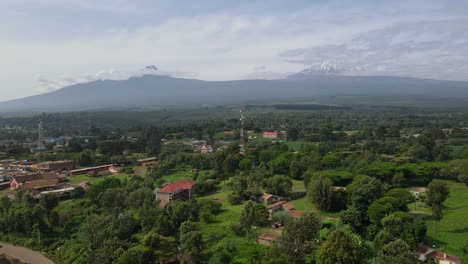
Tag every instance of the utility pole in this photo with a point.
(242, 139)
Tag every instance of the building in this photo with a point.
(181, 190)
(266, 240)
(425, 253)
(206, 149)
(267, 198)
(270, 134)
(95, 170)
(36, 181)
(59, 165)
(148, 161)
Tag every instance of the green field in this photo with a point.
(93, 180)
(452, 230)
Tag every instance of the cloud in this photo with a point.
(412, 38)
(45, 84)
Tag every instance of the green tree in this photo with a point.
(437, 193)
(49, 201)
(278, 185)
(113, 200)
(253, 214)
(320, 192)
(396, 252)
(190, 242)
(299, 236)
(137, 255)
(340, 248)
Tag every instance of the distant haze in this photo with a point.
(46, 45)
(164, 91)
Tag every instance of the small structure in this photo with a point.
(425, 253)
(94, 170)
(181, 190)
(36, 181)
(266, 240)
(206, 149)
(59, 165)
(267, 198)
(270, 134)
(272, 208)
(148, 161)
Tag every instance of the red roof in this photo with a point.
(174, 187)
(270, 133)
(295, 213)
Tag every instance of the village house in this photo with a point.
(148, 161)
(270, 134)
(59, 165)
(206, 149)
(267, 198)
(112, 168)
(181, 190)
(37, 181)
(425, 253)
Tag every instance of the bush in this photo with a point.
(128, 170)
(234, 199)
(237, 229)
(463, 178)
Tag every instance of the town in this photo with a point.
(239, 182)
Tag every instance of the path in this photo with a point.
(24, 254)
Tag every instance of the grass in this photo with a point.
(452, 230)
(75, 179)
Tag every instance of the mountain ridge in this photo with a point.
(162, 90)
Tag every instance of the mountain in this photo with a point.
(158, 90)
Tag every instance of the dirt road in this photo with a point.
(24, 254)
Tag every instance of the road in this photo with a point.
(24, 254)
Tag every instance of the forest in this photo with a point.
(352, 177)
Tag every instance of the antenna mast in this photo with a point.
(40, 136)
(242, 139)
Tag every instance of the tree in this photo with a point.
(293, 133)
(253, 214)
(190, 242)
(86, 158)
(437, 193)
(320, 192)
(299, 236)
(340, 248)
(281, 217)
(396, 252)
(399, 180)
(278, 185)
(463, 178)
(49, 201)
(136, 255)
(113, 200)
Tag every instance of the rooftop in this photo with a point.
(174, 187)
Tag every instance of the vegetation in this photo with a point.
(346, 171)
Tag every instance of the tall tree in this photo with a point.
(320, 192)
(396, 252)
(299, 236)
(190, 242)
(437, 193)
(340, 248)
(253, 214)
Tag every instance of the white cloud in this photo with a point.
(416, 38)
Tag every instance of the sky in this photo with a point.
(48, 44)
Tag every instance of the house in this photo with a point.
(206, 149)
(148, 161)
(59, 165)
(181, 190)
(272, 208)
(267, 198)
(36, 181)
(94, 170)
(266, 240)
(425, 253)
(270, 134)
